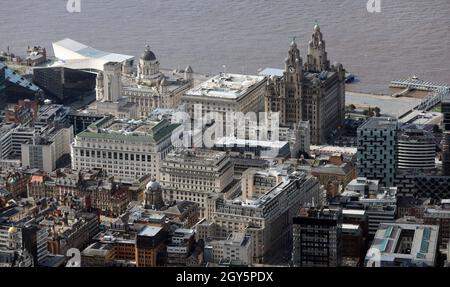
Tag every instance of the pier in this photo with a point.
(437, 92)
(417, 84)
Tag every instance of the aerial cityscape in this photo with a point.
(116, 160)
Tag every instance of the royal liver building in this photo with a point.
(313, 91)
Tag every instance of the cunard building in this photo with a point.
(313, 91)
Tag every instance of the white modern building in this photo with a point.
(75, 55)
(44, 152)
(237, 247)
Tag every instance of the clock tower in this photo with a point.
(293, 77)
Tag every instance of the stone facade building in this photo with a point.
(313, 91)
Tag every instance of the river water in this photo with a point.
(408, 37)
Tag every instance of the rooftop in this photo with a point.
(149, 231)
(129, 130)
(80, 56)
(226, 86)
(171, 84)
(233, 141)
(380, 123)
(84, 51)
(268, 72)
(391, 240)
(195, 156)
(15, 78)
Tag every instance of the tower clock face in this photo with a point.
(291, 69)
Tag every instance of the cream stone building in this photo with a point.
(227, 93)
(126, 91)
(195, 175)
(313, 91)
(264, 211)
(127, 149)
(151, 89)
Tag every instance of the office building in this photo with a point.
(123, 148)
(237, 247)
(423, 186)
(180, 247)
(35, 241)
(14, 86)
(404, 245)
(6, 131)
(313, 91)
(445, 105)
(226, 93)
(45, 152)
(149, 246)
(80, 120)
(194, 175)
(376, 158)
(267, 219)
(379, 203)
(317, 238)
(253, 149)
(416, 150)
(439, 215)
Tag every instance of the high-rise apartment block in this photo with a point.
(376, 157)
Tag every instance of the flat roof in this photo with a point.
(196, 156)
(390, 237)
(350, 226)
(232, 141)
(17, 79)
(272, 72)
(226, 86)
(353, 211)
(380, 123)
(75, 55)
(130, 130)
(149, 231)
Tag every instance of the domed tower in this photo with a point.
(148, 67)
(153, 195)
(317, 56)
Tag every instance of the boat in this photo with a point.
(349, 77)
